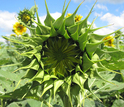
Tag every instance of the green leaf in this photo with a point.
(38, 77)
(47, 86)
(65, 99)
(49, 19)
(116, 60)
(89, 103)
(87, 63)
(87, 86)
(72, 29)
(38, 19)
(13, 104)
(19, 93)
(108, 87)
(43, 29)
(48, 77)
(33, 65)
(58, 23)
(98, 76)
(29, 54)
(95, 29)
(33, 9)
(63, 6)
(69, 21)
(37, 40)
(26, 43)
(118, 103)
(38, 56)
(82, 39)
(25, 103)
(91, 48)
(62, 29)
(57, 84)
(44, 37)
(95, 38)
(79, 79)
(75, 35)
(67, 86)
(29, 74)
(82, 24)
(66, 35)
(53, 32)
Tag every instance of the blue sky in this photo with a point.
(108, 12)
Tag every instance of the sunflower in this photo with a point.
(77, 17)
(61, 57)
(26, 16)
(109, 42)
(19, 29)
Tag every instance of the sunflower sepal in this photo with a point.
(53, 32)
(75, 35)
(49, 19)
(43, 29)
(88, 63)
(33, 10)
(69, 21)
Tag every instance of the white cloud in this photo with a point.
(117, 10)
(118, 21)
(99, 6)
(77, 0)
(98, 14)
(108, 1)
(104, 31)
(54, 15)
(2, 40)
(112, 1)
(7, 20)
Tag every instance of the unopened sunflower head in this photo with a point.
(19, 29)
(109, 42)
(26, 16)
(60, 56)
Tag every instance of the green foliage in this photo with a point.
(60, 64)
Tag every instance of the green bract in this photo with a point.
(64, 57)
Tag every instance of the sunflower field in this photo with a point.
(61, 63)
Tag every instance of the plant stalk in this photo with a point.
(2, 103)
(117, 43)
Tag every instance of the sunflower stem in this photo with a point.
(2, 103)
(117, 43)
